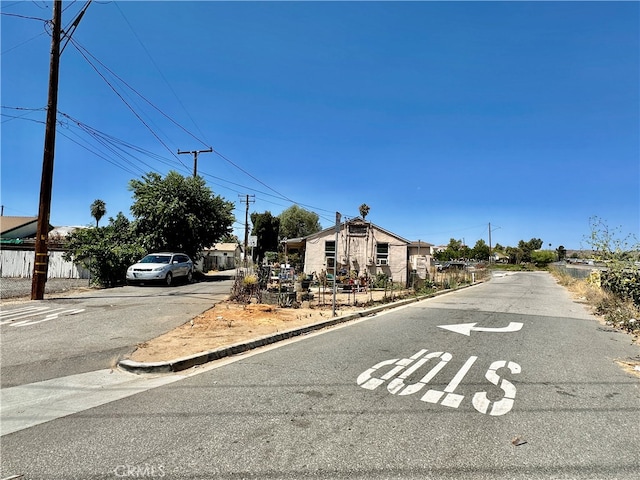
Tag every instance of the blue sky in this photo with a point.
(443, 117)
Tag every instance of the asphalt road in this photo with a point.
(529, 390)
(85, 331)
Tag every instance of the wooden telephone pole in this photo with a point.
(195, 157)
(41, 263)
(246, 224)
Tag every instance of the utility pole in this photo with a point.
(335, 263)
(41, 264)
(246, 223)
(195, 157)
(490, 243)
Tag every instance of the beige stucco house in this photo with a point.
(221, 256)
(363, 249)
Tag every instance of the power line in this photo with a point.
(159, 71)
(108, 143)
(26, 17)
(125, 102)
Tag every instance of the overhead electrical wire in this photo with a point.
(278, 194)
(161, 74)
(115, 146)
(82, 52)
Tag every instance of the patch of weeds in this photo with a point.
(619, 313)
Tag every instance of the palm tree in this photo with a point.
(98, 209)
(364, 210)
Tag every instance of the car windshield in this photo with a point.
(156, 259)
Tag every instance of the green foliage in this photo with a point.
(381, 280)
(621, 277)
(364, 210)
(455, 250)
(480, 251)
(526, 248)
(297, 222)
(624, 284)
(98, 210)
(543, 257)
(271, 257)
(266, 228)
(179, 214)
(106, 252)
(230, 238)
(522, 253)
(512, 267)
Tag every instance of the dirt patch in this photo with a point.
(227, 323)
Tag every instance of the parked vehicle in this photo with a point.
(453, 265)
(162, 267)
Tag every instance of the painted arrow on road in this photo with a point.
(467, 328)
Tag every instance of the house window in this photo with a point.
(330, 248)
(382, 254)
(358, 229)
(330, 256)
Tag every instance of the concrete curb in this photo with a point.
(201, 358)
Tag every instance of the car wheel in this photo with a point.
(189, 276)
(168, 280)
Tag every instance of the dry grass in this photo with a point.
(614, 311)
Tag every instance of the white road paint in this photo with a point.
(467, 328)
(451, 399)
(14, 318)
(403, 368)
(480, 400)
(397, 385)
(8, 316)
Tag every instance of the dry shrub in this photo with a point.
(618, 312)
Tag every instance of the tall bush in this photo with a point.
(621, 276)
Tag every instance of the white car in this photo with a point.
(161, 267)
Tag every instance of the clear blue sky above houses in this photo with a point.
(442, 116)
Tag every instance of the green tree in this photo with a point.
(266, 228)
(229, 238)
(179, 214)
(98, 210)
(525, 249)
(455, 250)
(480, 251)
(297, 222)
(561, 252)
(543, 257)
(107, 251)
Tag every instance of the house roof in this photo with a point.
(357, 220)
(420, 244)
(18, 227)
(223, 247)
